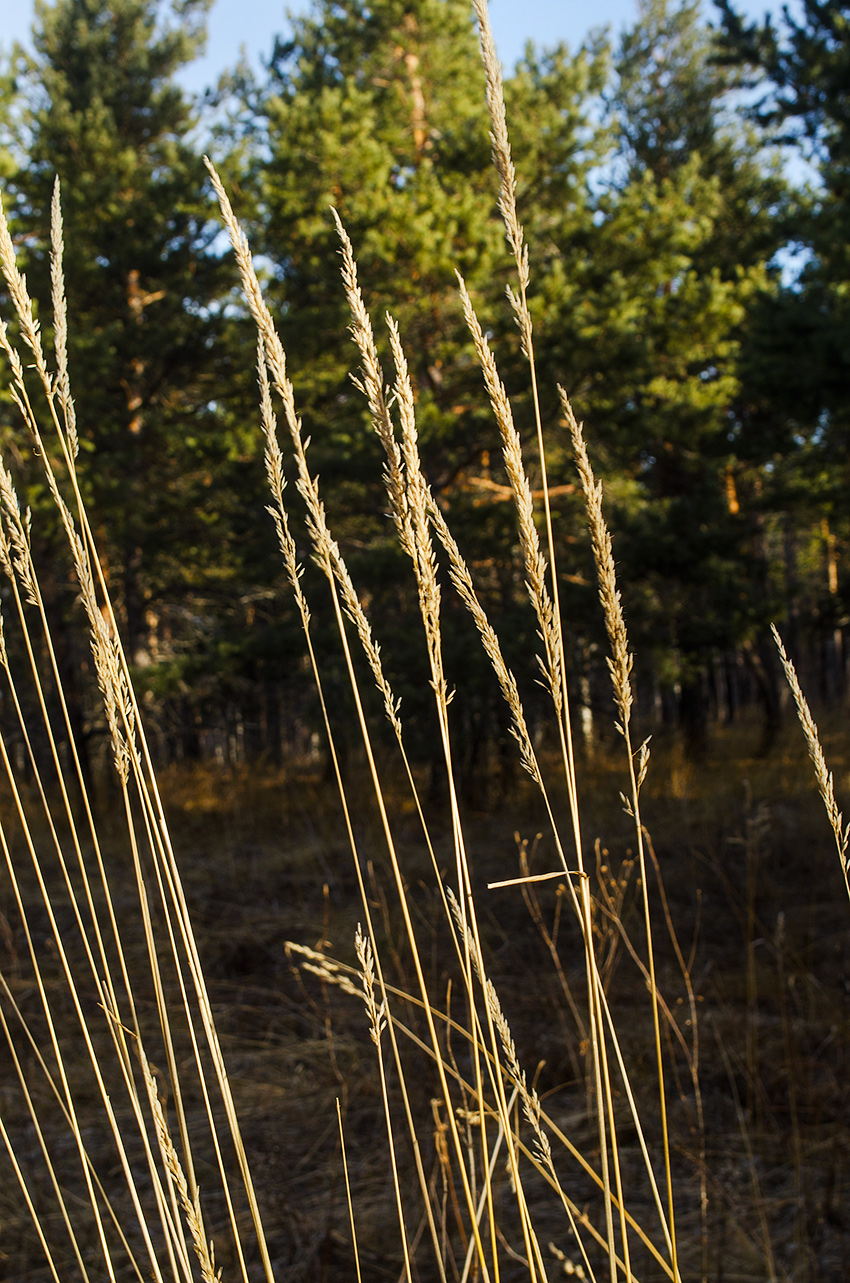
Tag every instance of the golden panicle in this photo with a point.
(462, 580)
(414, 531)
(16, 552)
(60, 320)
(377, 1011)
(507, 174)
(500, 141)
(105, 647)
(327, 969)
(274, 472)
(823, 775)
(23, 305)
(18, 388)
(416, 535)
(620, 662)
(190, 1203)
(535, 562)
(371, 379)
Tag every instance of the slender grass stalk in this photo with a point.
(327, 556)
(348, 1192)
(377, 1013)
(620, 667)
(503, 161)
(132, 761)
(823, 775)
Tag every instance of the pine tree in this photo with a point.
(103, 112)
(8, 96)
(652, 347)
(798, 73)
(378, 110)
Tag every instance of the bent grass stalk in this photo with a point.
(343, 977)
(823, 775)
(132, 760)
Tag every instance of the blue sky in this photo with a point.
(253, 23)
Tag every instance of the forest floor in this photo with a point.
(757, 981)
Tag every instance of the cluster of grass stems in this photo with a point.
(140, 1051)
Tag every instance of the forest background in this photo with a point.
(685, 189)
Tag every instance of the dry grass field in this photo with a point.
(760, 1155)
(326, 1022)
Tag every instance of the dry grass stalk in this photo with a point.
(377, 1013)
(519, 303)
(620, 667)
(403, 479)
(553, 670)
(416, 528)
(535, 562)
(462, 580)
(823, 775)
(273, 459)
(16, 538)
(348, 1191)
(190, 1203)
(620, 660)
(329, 558)
(371, 383)
(501, 144)
(21, 300)
(60, 320)
(133, 758)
